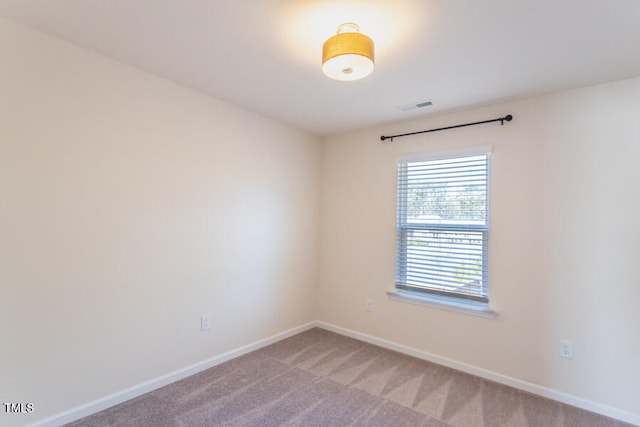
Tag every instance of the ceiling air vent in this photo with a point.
(415, 105)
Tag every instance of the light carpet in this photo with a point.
(319, 378)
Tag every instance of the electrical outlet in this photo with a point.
(566, 349)
(369, 306)
(205, 322)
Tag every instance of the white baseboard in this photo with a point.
(140, 389)
(137, 390)
(489, 375)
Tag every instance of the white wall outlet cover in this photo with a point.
(566, 349)
(205, 322)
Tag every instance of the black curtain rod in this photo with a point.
(506, 118)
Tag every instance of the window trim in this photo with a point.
(446, 303)
(469, 304)
(439, 155)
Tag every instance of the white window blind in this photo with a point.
(442, 226)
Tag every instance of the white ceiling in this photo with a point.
(264, 55)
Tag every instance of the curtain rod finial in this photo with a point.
(507, 118)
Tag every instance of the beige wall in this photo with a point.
(564, 241)
(129, 207)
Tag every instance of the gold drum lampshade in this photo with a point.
(348, 55)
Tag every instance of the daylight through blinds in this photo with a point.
(442, 226)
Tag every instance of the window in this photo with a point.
(443, 228)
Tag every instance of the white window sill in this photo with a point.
(472, 308)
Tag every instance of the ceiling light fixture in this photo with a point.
(348, 55)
